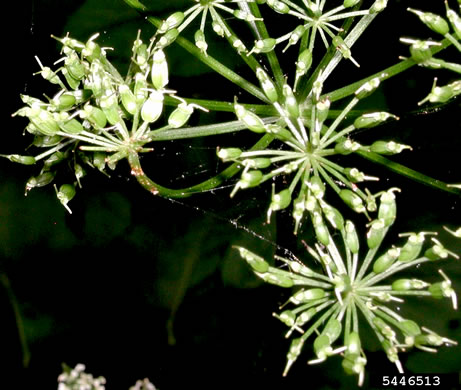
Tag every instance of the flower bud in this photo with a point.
(383, 262)
(333, 216)
(278, 6)
(344, 49)
(92, 51)
(72, 82)
(140, 54)
(352, 200)
(267, 85)
(256, 262)
(159, 72)
(298, 211)
(295, 347)
(408, 284)
(421, 51)
(305, 296)
(200, 41)
(64, 101)
(291, 104)
(352, 239)
(305, 316)
(367, 88)
(287, 317)
(152, 107)
(387, 147)
(455, 21)
(332, 329)
(304, 63)
(167, 39)
(444, 290)
(388, 208)
(279, 201)
(46, 141)
(327, 260)
(180, 115)
(94, 115)
(321, 230)
(44, 122)
(323, 108)
(229, 153)
(243, 15)
(16, 158)
(257, 163)
(433, 21)
(264, 46)
(173, 21)
(279, 132)
(295, 35)
(347, 147)
(437, 251)
(317, 187)
(350, 3)
(41, 180)
(65, 194)
(71, 127)
(75, 66)
(276, 279)
(251, 120)
(373, 119)
(376, 233)
(410, 328)
(128, 99)
(247, 180)
(217, 28)
(299, 268)
(412, 248)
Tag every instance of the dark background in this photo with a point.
(100, 286)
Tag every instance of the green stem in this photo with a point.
(408, 172)
(200, 131)
(156, 189)
(271, 56)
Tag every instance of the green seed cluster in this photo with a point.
(97, 118)
(308, 143)
(327, 305)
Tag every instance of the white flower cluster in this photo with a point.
(145, 384)
(77, 379)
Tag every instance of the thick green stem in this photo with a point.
(408, 172)
(156, 189)
(200, 131)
